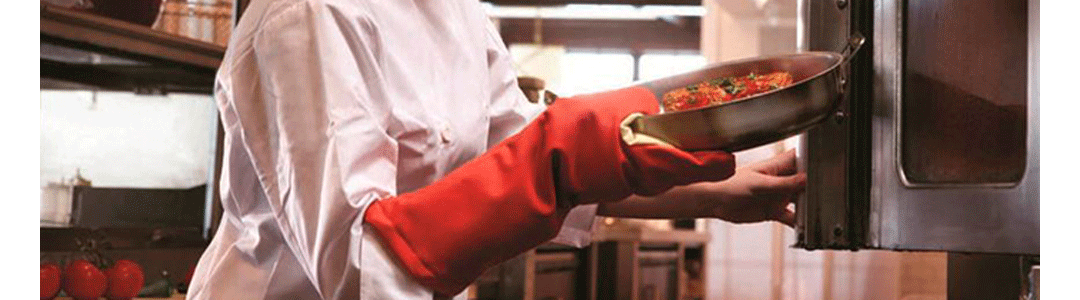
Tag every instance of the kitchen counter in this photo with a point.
(646, 235)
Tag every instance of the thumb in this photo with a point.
(781, 164)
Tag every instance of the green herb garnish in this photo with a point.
(734, 89)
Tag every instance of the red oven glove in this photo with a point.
(515, 196)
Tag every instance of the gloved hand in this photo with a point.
(515, 196)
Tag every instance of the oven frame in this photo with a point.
(858, 196)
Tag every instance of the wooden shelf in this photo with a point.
(80, 50)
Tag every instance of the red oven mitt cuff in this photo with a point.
(515, 196)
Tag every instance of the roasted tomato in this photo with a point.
(725, 89)
(125, 280)
(50, 281)
(83, 280)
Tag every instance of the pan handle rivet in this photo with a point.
(839, 117)
(841, 4)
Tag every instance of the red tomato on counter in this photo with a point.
(50, 281)
(83, 280)
(125, 280)
(190, 274)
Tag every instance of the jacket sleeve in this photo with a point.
(314, 137)
(508, 110)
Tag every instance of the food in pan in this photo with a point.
(724, 89)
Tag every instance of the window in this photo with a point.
(654, 66)
(585, 72)
(965, 92)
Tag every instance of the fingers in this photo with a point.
(781, 164)
(782, 184)
(787, 217)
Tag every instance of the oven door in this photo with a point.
(937, 144)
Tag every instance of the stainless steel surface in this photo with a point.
(888, 42)
(857, 194)
(1029, 286)
(963, 118)
(1033, 292)
(823, 213)
(742, 124)
(971, 218)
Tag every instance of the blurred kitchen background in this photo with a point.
(586, 48)
(159, 141)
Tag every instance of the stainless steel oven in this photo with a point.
(935, 146)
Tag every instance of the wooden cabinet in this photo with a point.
(638, 264)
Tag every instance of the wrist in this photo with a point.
(706, 198)
(684, 202)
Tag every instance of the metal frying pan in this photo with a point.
(819, 80)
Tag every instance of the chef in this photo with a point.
(382, 150)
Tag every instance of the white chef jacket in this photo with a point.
(329, 105)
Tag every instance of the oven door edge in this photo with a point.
(832, 212)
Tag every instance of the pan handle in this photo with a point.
(854, 44)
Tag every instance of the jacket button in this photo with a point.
(445, 134)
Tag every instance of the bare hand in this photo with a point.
(760, 192)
